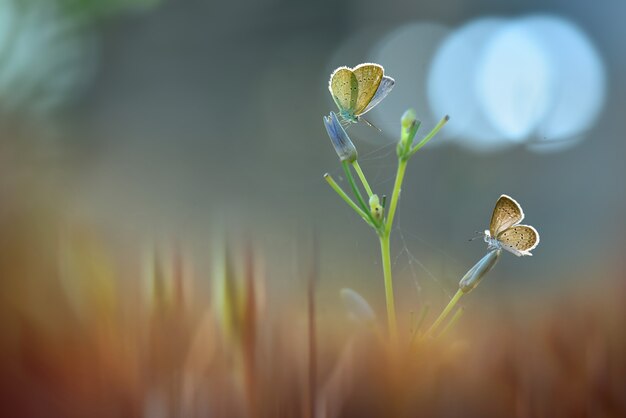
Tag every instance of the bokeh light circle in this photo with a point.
(451, 85)
(514, 82)
(580, 86)
(536, 80)
(406, 53)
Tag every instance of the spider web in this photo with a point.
(412, 263)
(377, 164)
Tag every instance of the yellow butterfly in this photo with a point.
(357, 90)
(506, 232)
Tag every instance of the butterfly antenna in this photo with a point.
(370, 124)
(478, 235)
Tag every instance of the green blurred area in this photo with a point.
(94, 8)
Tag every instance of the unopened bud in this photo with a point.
(375, 208)
(343, 145)
(410, 125)
(480, 269)
(409, 118)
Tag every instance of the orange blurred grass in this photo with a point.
(86, 332)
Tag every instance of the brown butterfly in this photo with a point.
(357, 90)
(505, 231)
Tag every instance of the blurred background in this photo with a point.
(155, 121)
(181, 117)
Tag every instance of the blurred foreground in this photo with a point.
(101, 330)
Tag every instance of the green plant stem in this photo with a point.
(359, 172)
(331, 182)
(455, 318)
(391, 306)
(444, 314)
(385, 250)
(357, 193)
(430, 135)
(355, 189)
(395, 194)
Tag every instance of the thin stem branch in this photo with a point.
(444, 314)
(395, 195)
(359, 172)
(357, 193)
(430, 135)
(331, 182)
(455, 318)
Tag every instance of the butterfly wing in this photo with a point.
(506, 213)
(368, 77)
(519, 239)
(385, 86)
(344, 87)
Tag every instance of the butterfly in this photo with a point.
(357, 90)
(505, 231)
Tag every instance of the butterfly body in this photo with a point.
(506, 232)
(357, 90)
(348, 116)
(492, 242)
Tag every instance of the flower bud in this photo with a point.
(410, 125)
(409, 118)
(375, 208)
(480, 269)
(343, 145)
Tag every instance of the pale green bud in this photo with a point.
(409, 118)
(375, 207)
(410, 125)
